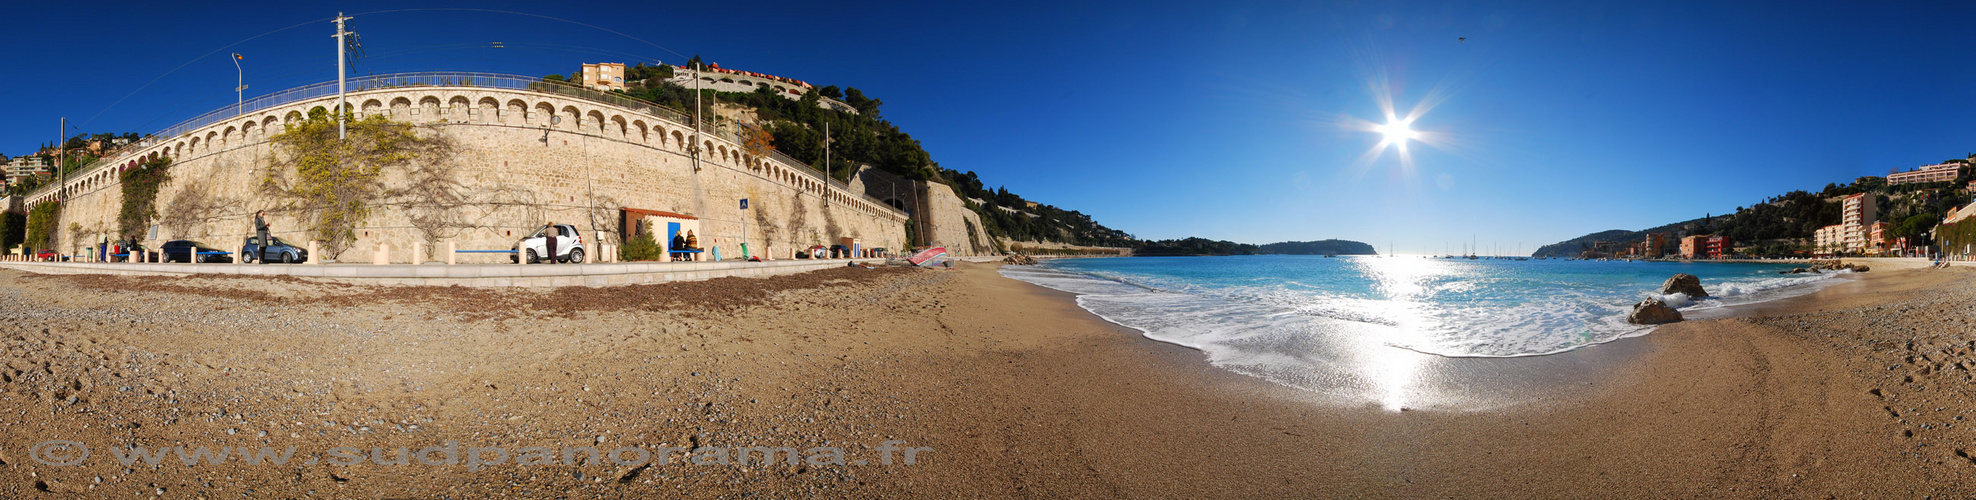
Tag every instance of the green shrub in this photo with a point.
(13, 229)
(643, 247)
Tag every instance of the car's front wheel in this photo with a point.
(576, 256)
(246, 257)
(531, 256)
(288, 257)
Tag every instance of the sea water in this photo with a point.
(1351, 325)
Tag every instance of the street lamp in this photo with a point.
(553, 120)
(239, 83)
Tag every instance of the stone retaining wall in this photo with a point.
(520, 170)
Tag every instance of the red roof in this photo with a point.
(659, 213)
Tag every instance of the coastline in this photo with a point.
(1018, 391)
(1733, 407)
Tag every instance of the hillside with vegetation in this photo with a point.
(1784, 225)
(796, 128)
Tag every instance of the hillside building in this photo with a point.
(22, 168)
(1944, 172)
(603, 76)
(1858, 232)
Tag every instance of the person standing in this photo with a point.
(261, 232)
(549, 241)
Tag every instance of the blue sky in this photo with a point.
(1226, 120)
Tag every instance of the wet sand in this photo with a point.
(1858, 390)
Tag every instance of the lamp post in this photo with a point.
(239, 83)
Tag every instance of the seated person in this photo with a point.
(678, 243)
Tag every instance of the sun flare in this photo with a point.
(1398, 132)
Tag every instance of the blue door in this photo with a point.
(672, 230)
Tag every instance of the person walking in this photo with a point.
(261, 231)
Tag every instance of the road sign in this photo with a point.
(744, 203)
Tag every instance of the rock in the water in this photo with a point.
(1020, 260)
(1686, 284)
(1653, 312)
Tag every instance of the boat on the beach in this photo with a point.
(926, 255)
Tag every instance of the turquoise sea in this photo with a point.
(1338, 325)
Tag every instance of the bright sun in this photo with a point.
(1397, 132)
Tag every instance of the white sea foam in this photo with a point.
(1300, 334)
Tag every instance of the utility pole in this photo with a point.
(341, 130)
(61, 169)
(696, 115)
(827, 172)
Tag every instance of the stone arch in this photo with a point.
(212, 141)
(180, 150)
(644, 132)
(708, 147)
(268, 123)
(457, 105)
(247, 131)
(226, 137)
(429, 107)
(572, 117)
(679, 139)
(371, 107)
(618, 126)
(543, 110)
(194, 144)
(295, 117)
(400, 106)
(517, 110)
(594, 119)
(490, 109)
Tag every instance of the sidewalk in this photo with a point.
(497, 275)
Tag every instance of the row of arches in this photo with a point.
(508, 110)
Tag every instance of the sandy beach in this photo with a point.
(1858, 390)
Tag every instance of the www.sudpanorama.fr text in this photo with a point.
(474, 458)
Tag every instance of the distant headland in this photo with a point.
(1204, 246)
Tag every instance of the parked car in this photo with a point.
(46, 255)
(275, 251)
(182, 251)
(569, 246)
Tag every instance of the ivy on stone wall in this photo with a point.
(331, 184)
(140, 189)
(41, 224)
(1958, 237)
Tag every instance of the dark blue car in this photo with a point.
(276, 251)
(182, 251)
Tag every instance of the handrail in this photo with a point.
(445, 79)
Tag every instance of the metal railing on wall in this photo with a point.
(451, 79)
